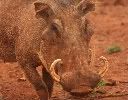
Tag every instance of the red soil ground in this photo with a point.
(111, 27)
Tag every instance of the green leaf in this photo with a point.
(101, 83)
(114, 49)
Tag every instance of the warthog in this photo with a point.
(54, 34)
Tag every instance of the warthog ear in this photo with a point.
(85, 6)
(43, 11)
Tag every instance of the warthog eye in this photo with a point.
(56, 29)
(87, 29)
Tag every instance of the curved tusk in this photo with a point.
(52, 70)
(106, 66)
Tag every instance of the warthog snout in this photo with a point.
(78, 82)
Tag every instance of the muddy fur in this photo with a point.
(36, 32)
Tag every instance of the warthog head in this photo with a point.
(65, 44)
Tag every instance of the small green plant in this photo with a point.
(113, 49)
(98, 89)
(101, 83)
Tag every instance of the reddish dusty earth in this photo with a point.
(111, 27)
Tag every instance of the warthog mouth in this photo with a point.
(83, 91)
(79, 94)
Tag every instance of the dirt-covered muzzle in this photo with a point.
(78, 82)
